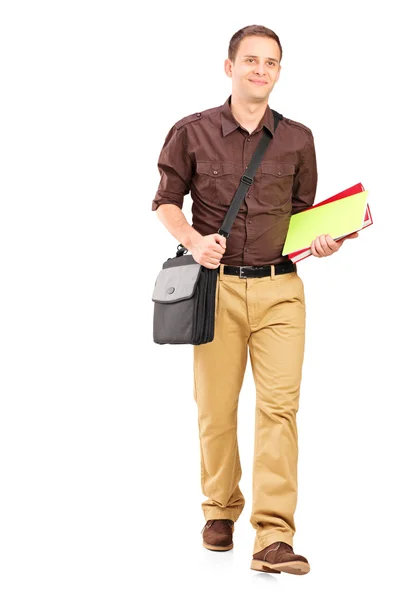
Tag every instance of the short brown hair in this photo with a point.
(250, 30)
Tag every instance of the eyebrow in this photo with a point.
(253, 56)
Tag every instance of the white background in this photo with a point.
(100, 466)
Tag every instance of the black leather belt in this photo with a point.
(263, 271)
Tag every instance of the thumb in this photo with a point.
(220, 238)
(351, 236)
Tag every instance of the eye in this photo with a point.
(249, 59)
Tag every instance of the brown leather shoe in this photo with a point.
(217, 534)
(278, 557)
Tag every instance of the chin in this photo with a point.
(262, 95)
(259, 91)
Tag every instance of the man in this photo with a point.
(260, 307)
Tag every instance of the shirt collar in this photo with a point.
(229, 122)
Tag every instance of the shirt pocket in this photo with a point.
(276, 183)
(216, 182)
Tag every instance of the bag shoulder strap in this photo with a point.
(247, 178)
(245, 182)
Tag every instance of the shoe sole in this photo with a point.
(218, 548)
(295, 567)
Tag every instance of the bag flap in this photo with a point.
(176, 283)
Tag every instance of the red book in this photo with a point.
(355, 189)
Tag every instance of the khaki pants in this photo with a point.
(268, 316)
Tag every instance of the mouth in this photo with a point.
(258, 82)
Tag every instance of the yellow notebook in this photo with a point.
(338, 218)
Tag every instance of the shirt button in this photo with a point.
(247, 249)
(249, 221)
(279, 173)
(248, 195)
(198, 114)
(248, 139)
(215, 172)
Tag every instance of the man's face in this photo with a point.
(256, 68)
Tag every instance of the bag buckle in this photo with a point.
(180, 250)
(246, 180)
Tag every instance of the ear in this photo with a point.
(228, 67)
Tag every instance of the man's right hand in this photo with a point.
(209, 250)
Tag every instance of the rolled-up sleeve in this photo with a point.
(305, 182)
(175, 167)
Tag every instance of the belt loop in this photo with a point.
(272, 271)
(221, 272)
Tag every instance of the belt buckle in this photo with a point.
(241, 274)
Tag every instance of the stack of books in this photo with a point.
(338, 216)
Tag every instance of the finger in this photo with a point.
(318, 247)
(313, 250)
(328, 245)
(325, 248)
(212, 260)
(211, 265)
(331, 245)
(218, 249)
(214, 255)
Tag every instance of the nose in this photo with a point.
(259, 69)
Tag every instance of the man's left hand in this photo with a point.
(325, 245)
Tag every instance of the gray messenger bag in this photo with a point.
(184, 291)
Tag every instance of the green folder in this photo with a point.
(337, 218)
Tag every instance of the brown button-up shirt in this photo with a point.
(206, 153)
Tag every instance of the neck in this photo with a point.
(248, 113)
